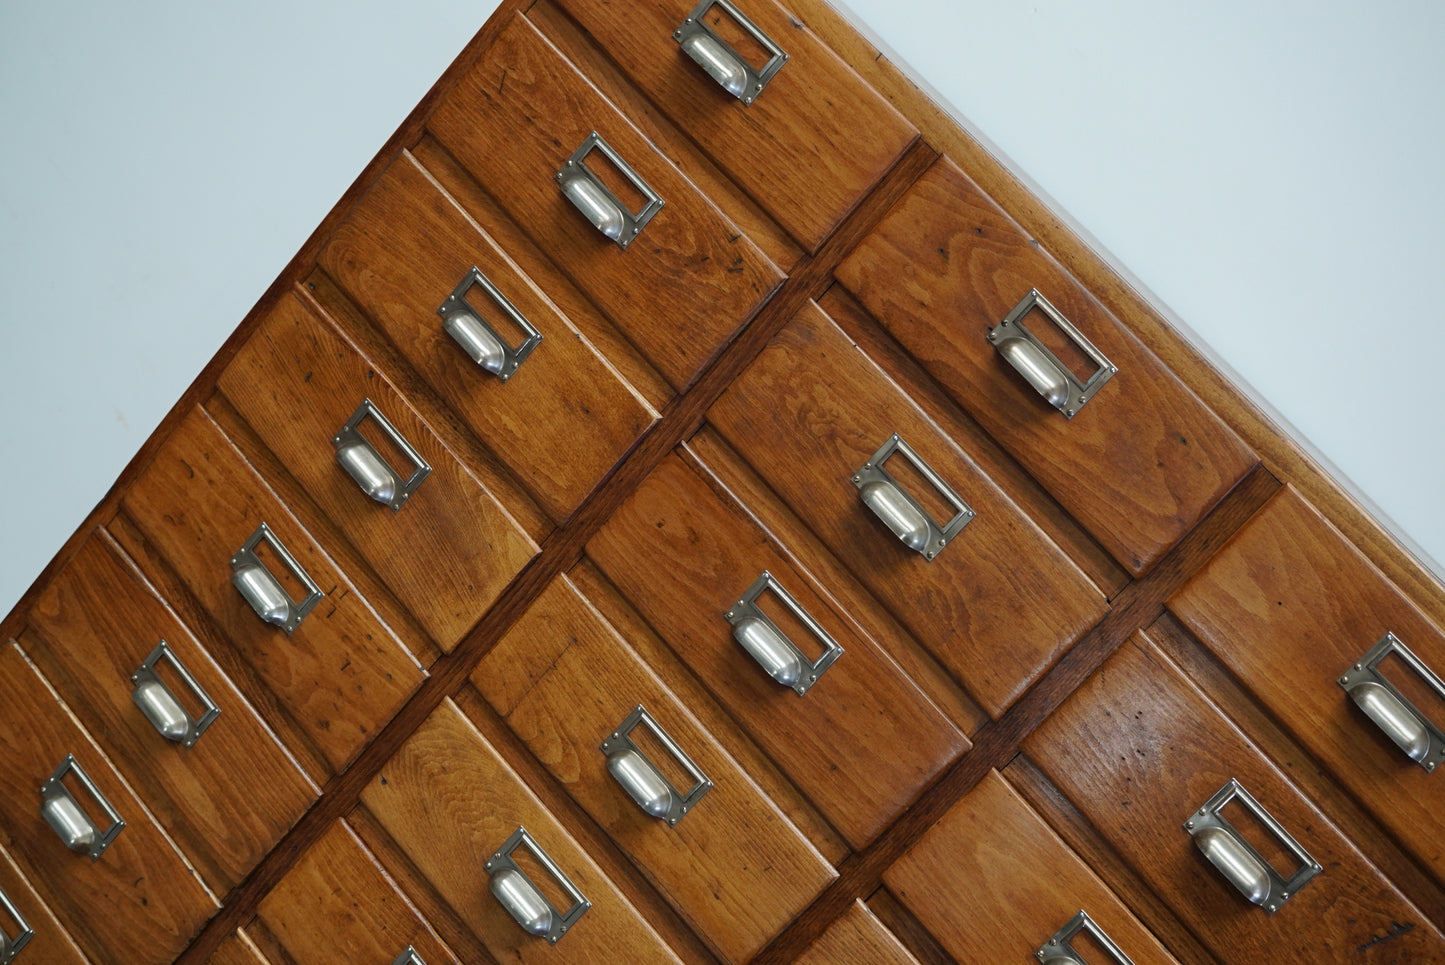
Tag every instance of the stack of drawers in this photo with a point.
(687, 504)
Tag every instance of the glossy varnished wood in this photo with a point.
(238, 950)
(50, 945)
(857, 938)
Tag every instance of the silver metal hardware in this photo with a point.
(1422, 741)
(597, 202)
(1040, 367)
(1236, 858)
(10, 945)
(722, 63)
(159, 704)
(1059, 949)
(478, 337)
(263, 591)
(523, 900)
(68, 820)
(376, 477)
(409, 957)
(642, 779)
(770, 647)
(899, 511)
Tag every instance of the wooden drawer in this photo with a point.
(237, 950)
(856, 937)
(523, 95)
(563, 416)
(1139, 464)
(341, 674)
(451, 548)
(449, 802)
(94, 627)
(1290, 607)
(138, 901)
(1139, 752)
(992, 859)
(807, 148)
(733, 864)
(337, 905)
(47, 944)
(998, 603)
(863, 741)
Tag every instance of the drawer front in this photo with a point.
(998, 603)
(94, 627)
(1139, 464)
(1290, 631)
(47, 944)
(807, 147)
(856, 937)
(340, 674)
(1139, 752)
(450, 803)
(991, 858)
(337, 905)
(451, 548)
(139, 901)
(733, 864)
(563, 416)
(524, 95)
(863, 741)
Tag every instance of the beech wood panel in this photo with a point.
(449, 801)
(341, 674)
(50, 945)
(237, 950)
(524, 95)
(452, 548)
(857, 937)
(999, 603)
(734, 866)
(1140, 464)
(228, 799)
(807, 149)
(992, 859)
(1138, 749)
(140, 902)
(1289, 605)
(564, 417)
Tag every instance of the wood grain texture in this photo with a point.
(527, 96)
(998, 605)
(238, 950)
(341, 673)
(50, 945)
(1137, 749)
(93, 627)
(857, 938)
(807, 149)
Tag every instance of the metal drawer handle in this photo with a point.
(523, 900)
(722, 63)
(68, 820)
(642, 779)
(10, 945)
(409, 957)
(770, 647)
(376, 477)
(1391, 710)
(899, 511)
(263, 591)
(159, 704)
(478, 337)
(1059, 950)
(1040, 367)
(597, 202)
(1236, 858)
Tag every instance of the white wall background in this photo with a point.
(1270, 171)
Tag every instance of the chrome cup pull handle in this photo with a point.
(1059, 950)
(643, 781)
(1422, 740)
(780, 658)
(1237, 860)
(69, 821)
(263, 591)
(10, 945)
(377, 478)
(160, 705)
(479, 338)
(595, 199)
(720, 60)
(1040, 367)
(409, 957)
(899, 511)
(523, 900)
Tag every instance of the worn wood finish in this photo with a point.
(565, 417)
(449, 801)
(525, 95)
(857, 938)
(238, 950)
(96, 623)
(735, 866)
(1288, 629)
(1137, 749)
(807, 149)
(998, 605)
(50, 944)
(992, 859)
(140, 902)
(341, 674)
